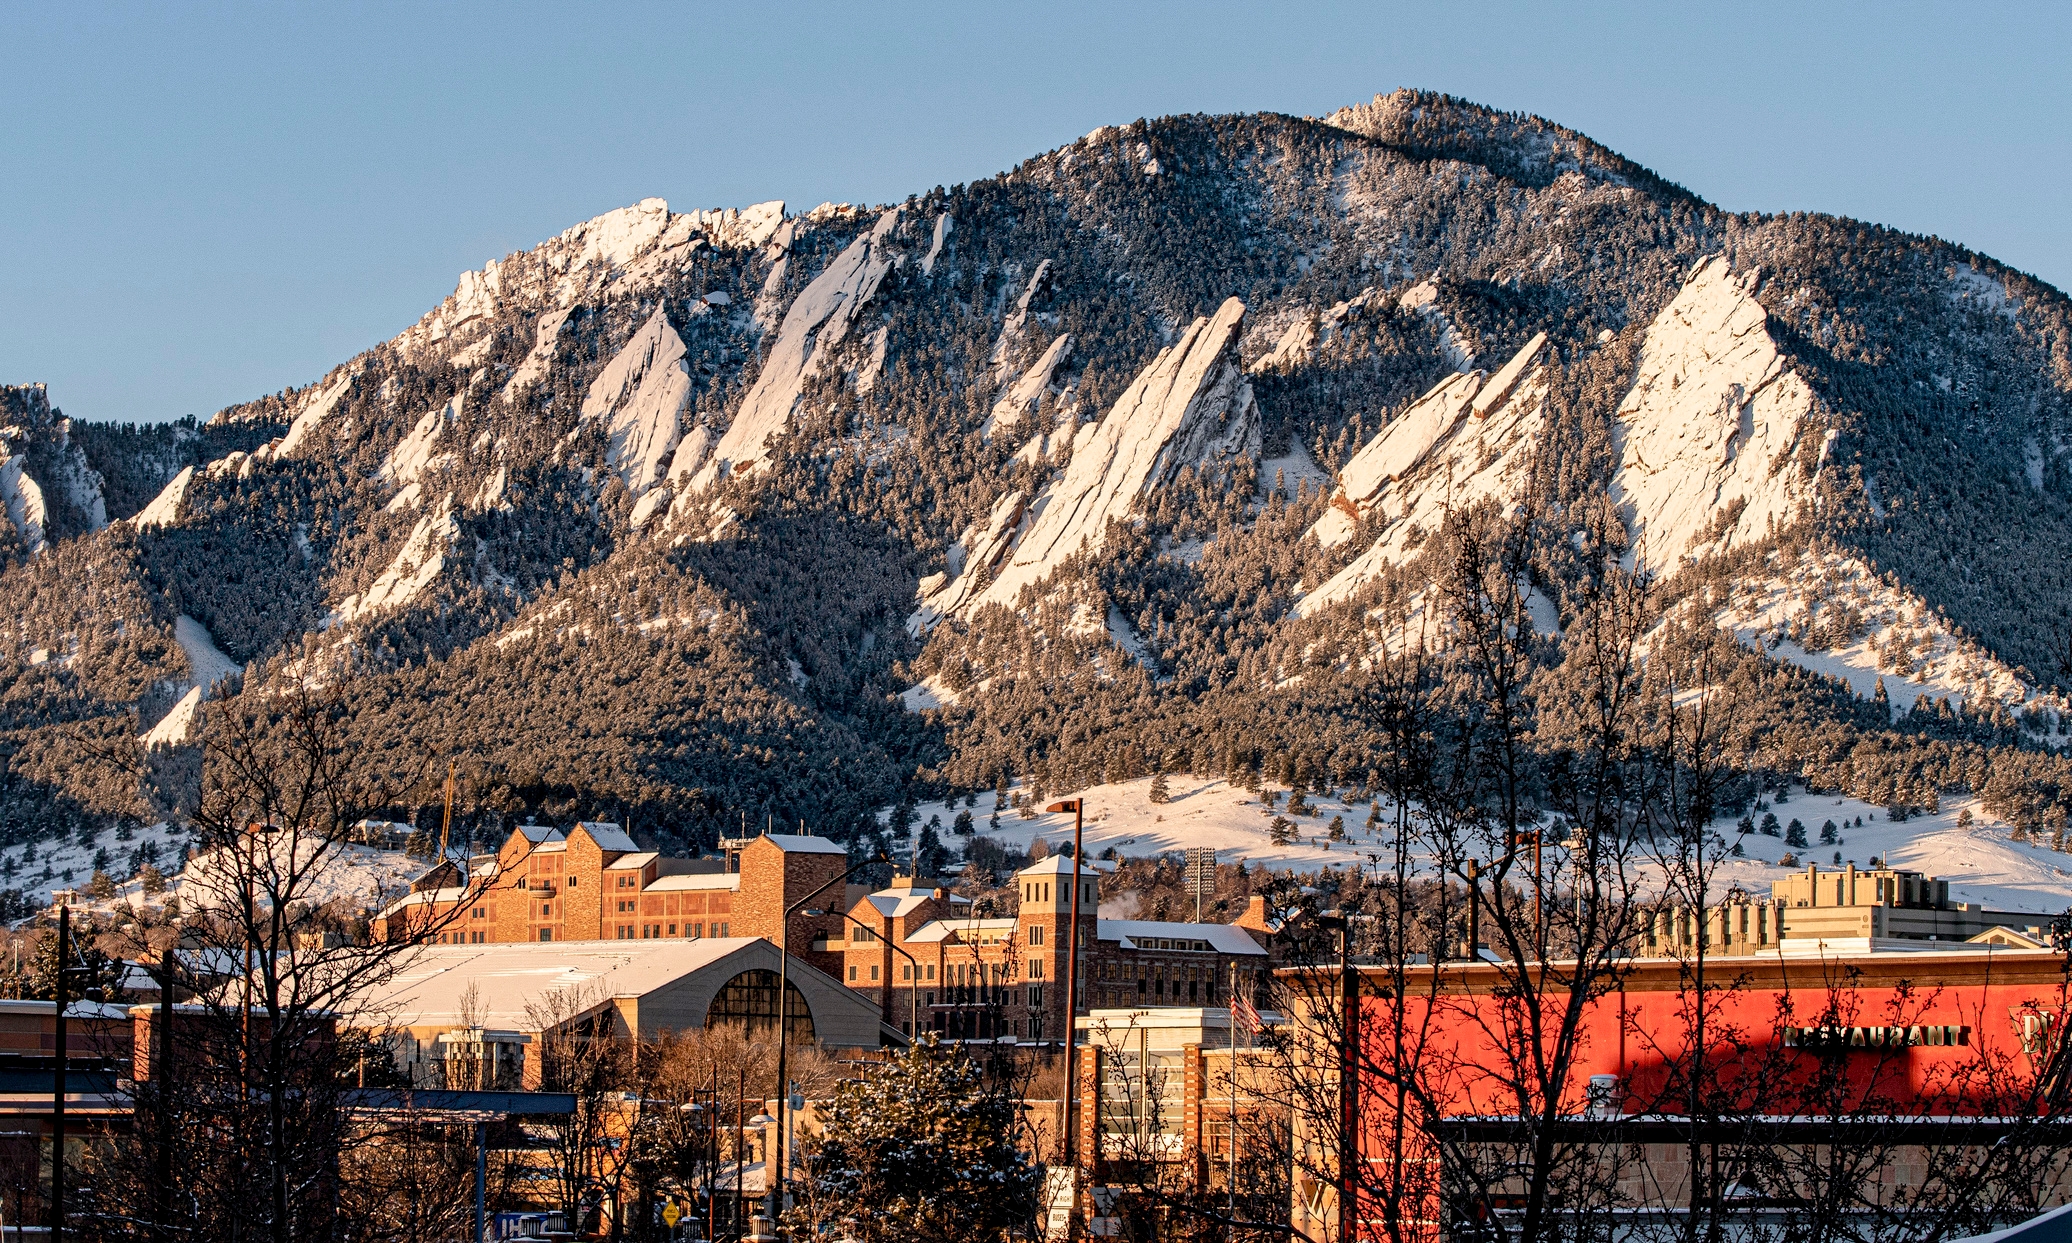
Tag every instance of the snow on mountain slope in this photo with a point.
(1191, 407)
(622, 251)
(640, 396)
(1833, 614)
(1469, 439)
(23, 498)
(416, 567)
(1707, 434)
(1024, 394)
(412, 454)
(204, 658)
(314, 406)
(164, 509)
(819, 318)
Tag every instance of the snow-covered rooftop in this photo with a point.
(800, 843)
(511, 977)
(1142, 934)
(607, 835)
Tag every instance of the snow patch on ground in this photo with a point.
(1200, 812)
(1982, 862)
(1291, 470)
(204, 658)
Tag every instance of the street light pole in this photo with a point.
(1077, 806)
(913, 992)
(775, 1191)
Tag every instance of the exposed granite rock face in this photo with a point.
(1707, 433)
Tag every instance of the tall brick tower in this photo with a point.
(778, 870)
(1045, 918)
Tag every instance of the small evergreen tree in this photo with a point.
(1337, 831)
(1160, 793)
(1828, 833)
(921, 1146)
(102, 885)
(1795, 833)
(152, 879)
(962, 825)
(1770, 828)
(1281, 832)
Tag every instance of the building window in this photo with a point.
(906, 973)
(928, 999)
(931, 971)
(546, 934)
(1035, 934)
(546, 910)
(672, 930)
(1035, 968)
(852, 975)
(722, 932)
(874, 974)
(1035, 1027)
(1036, 997)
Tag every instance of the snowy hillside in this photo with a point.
(1114, 462)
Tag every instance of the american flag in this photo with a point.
(1241, 1009)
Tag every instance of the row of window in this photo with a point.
(692, 931)
(463, 938)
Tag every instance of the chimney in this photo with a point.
(1254, 917)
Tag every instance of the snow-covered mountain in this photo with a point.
(1095, 467)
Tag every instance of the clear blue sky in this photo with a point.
(205, 204)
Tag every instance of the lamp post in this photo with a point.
(913, 991)
(1077, 806)
(775, 1190)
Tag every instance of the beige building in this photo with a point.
(1841, 906)
(483, 1006)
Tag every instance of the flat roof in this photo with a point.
(694, 880)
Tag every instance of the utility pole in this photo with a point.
(1077, 806)
(446, 822)
(57, 1098)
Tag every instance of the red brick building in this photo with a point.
(594, 884)
(925, 953)
(918, 948)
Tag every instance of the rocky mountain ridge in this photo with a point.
(672, 518)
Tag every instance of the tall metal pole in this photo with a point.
(1233, 1090)
(57, 1100)
(162, 1077)
(1348, 1089)
(740, 1163)
(1071, 1136)
(481, 1180)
